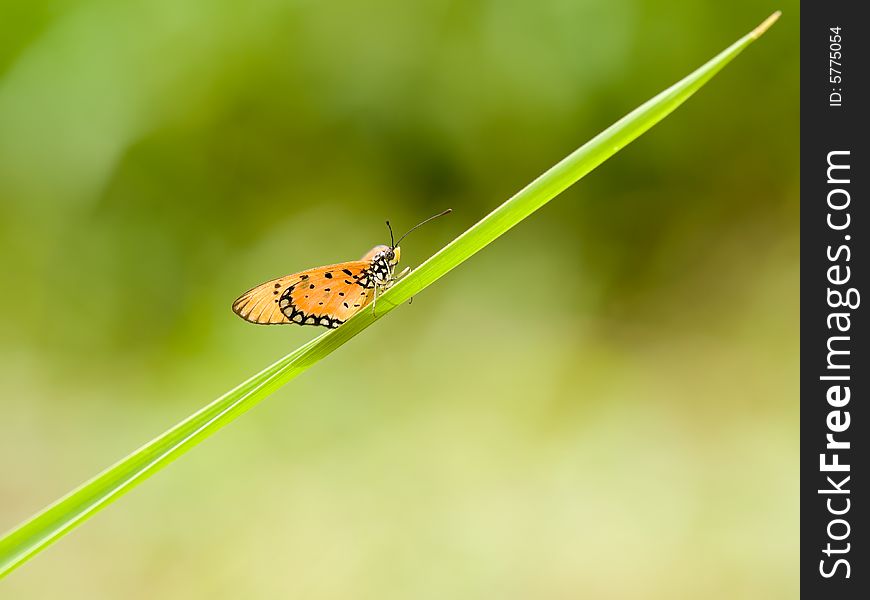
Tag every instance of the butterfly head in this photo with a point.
(392, 255)
(385, 258)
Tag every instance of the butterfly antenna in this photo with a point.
(441, 214)
(392, 244)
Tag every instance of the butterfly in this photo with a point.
(325, 296)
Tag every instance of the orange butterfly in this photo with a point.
(326, 296)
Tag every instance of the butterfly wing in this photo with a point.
(325, 296)
(261, 304)
(328, 296)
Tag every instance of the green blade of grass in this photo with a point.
(57, 519)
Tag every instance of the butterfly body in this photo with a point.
(383, 264)
(323, 296)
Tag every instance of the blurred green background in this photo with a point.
(602, 404)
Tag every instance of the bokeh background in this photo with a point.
(602, 404)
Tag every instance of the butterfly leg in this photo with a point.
(387, 285)
(397, 278)
(402, 274)
(393, 280)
